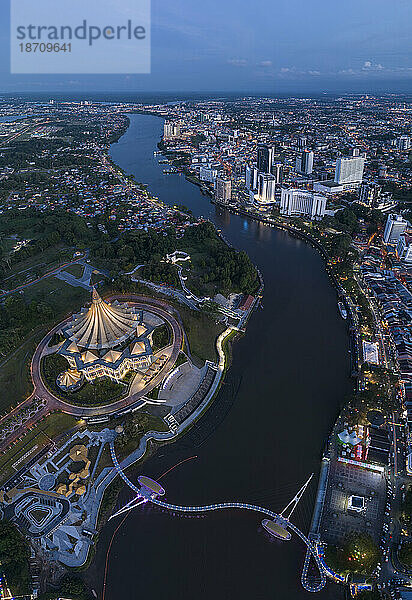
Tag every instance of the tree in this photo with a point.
(14, 557)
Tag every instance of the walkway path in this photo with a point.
(53, 403)
(310, 587)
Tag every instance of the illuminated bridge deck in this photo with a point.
(311, 548)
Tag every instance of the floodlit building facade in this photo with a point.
(349, 170)
(295, 202)
(223, 190)
(266, 188)
(106, 340)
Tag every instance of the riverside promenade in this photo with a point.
(108, 474)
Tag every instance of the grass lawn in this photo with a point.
(75, 270)
(35, 266)
(202, 332)
(15, 380)
(39, 436)
(63, 297)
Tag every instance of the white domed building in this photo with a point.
(105, 340)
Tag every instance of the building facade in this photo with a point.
(404, 248)
(266, 188)
(106, 340)
(264, 158)
(295, 202)
(223, 190)
(304, 162)
(349, 170)
(394, 228)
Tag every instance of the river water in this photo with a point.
(260, 440)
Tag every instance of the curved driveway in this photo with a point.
(158, 308)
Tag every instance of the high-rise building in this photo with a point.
(349, 170)
(394, 228)
(266, 188)
(207, 174)
(294, 202)
(404, 248)
(223, 190)
(370, 194)
(264, 158)
(304, 162)
(383, 171)
(302, 142)
(403, 143)
(171, 129)
(277, 172)
(251, 177)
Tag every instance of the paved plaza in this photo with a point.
(346, 480)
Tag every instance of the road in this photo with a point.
(48, 274)
(53, 403)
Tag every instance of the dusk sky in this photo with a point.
(266, 46)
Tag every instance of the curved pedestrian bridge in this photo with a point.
(145, 494)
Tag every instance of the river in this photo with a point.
(260, 440)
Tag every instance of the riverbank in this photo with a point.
(290, 369)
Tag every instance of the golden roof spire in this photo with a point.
(103, 325)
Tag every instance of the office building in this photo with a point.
(394, 228)
(264, 158)
(223, 190)
(295, 202)
(207, 174)
(277, 172)
(171, 129)
(251, 178)
(349, 170)
(304, 162)
(302, 141)
(404, 248)
(370, 194)
(403, 143)
(266, 188)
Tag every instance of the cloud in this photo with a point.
(265, 63)
(314, 73)
(237, 62)
(370, 65)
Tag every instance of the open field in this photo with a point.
(15, 380)
(63, 297)
(202, 332)
(75, 270)
(35, 266)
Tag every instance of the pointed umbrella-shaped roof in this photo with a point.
(103, 325)
(72, 347)
(69, 378)
(139, 348)
(112, 356)
(88, 357)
